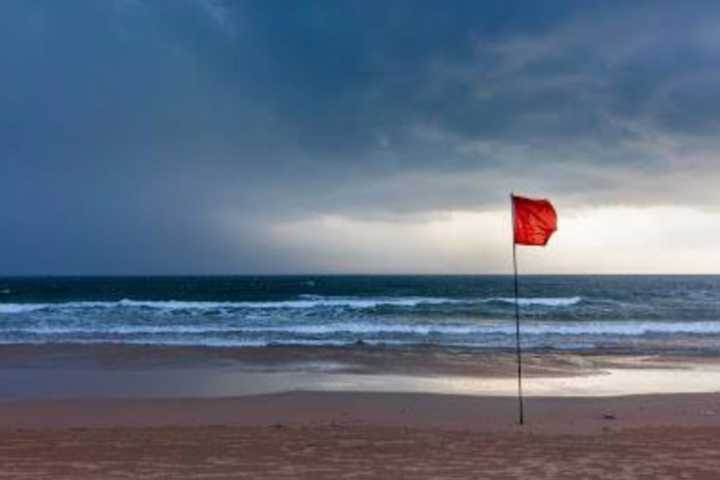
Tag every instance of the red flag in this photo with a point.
(534, 221)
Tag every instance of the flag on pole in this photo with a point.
(535, 221)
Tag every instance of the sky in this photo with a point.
(244, 137)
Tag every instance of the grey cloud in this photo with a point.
(133, 130)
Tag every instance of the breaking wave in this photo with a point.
(363, 328)
(303, 302)
(545, 302)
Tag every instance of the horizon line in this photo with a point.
(349, 274)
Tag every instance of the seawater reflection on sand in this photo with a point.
(23, 383)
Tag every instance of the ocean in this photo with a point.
(627, 313)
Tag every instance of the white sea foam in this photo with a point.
(282, 304)
(328, 329)
(304, 302)
(368, 329)
(545, 302)
(174, 305)
(11, 308)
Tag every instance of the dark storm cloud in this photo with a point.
(167, 136)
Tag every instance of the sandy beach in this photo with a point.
(341, 432)
(357, 435)
(362, 436)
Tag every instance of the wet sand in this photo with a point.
(340, 433)
(111, 371)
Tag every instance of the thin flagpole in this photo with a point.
(518, 349)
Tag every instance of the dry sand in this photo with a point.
(363, 435)
(360, 452)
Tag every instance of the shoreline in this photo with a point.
(359, 358)
(56, 372)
